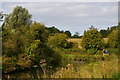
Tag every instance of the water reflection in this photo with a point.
(37, 72)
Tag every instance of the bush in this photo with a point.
(113, 51)
(92, 51)
(99, 52)
(75, 45)
(116, 75)
(92, 39)
(113, 40)
(58, 40)
(82, 51)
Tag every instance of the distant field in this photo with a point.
(78, 40)
(105, 39)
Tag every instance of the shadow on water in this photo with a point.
(27, 73)
(37, 72)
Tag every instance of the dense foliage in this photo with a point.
(113, 39)
(58, 40)
(92, 39)
(19, 17)
(68, 33)
(53, 30)
(105, 32)
(26, 42)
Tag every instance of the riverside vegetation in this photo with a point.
(32, 50)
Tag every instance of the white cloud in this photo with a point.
(78, 7)
(82, 15)
(110, 9)
(70, 15)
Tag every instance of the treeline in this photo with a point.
(106, 32)
(53, 30)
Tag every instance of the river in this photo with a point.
(38, 73)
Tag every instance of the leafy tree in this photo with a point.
(19, 17)
(106, 32)
(113, 39)
(68, 33)
(31, 43)
(92, 27)
(103, 33)
(53, 30)
(1, 16)
(61, 31)
(58, 40)
(76, 35)
(37, 49)
(92, 39)
(24, 41)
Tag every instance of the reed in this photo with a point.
(101, 69)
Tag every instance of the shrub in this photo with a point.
(92, 39)
(113, 39)
(92, 51)
(113, 51)
(116, 75)
(58, 40)
(99, 52)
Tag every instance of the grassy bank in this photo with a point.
(101, 69)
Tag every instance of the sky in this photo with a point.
(73, 16)
(59, 0)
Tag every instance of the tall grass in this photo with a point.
(102, 69)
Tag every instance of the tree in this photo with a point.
(68, 33)
(92, 39)
(113, 39)
(14, 29)
(103, 33)
(76, 35)
(1, 16)
(27, 42)
(58, 40)
(31, 44)
(19, 17)
(92, 27)
(53, 30)
(37, 48)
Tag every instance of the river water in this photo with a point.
(38, 73)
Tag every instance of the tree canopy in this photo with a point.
(19, 17)
(113, 39)
(58, 40)
(92, 39)
(68, 33)
(25, 41)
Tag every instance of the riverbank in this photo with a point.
(101, 69)
(86, 68)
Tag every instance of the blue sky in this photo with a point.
(73, 16)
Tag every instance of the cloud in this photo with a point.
(73, 16)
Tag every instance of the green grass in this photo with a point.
(101, 69)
